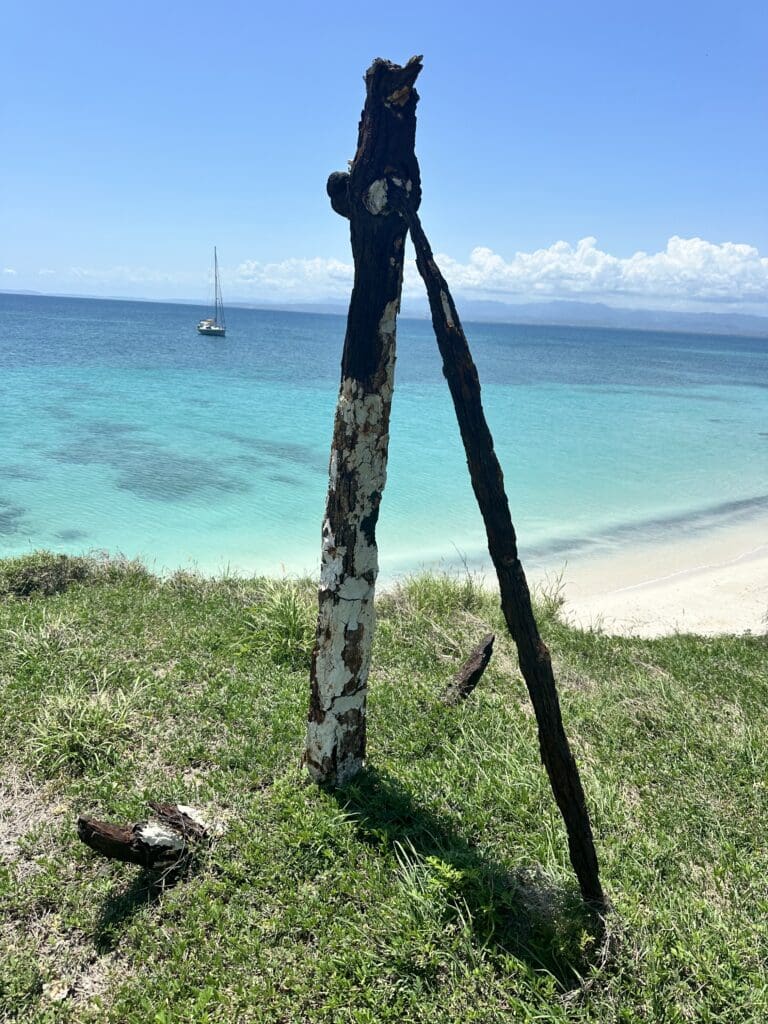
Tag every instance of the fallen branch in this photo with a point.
(468, 676)
(164, 841)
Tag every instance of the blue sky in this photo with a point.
(137, 135)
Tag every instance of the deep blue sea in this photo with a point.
(123, 429)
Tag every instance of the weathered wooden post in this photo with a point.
(488, 484)
(335, 745)
(381, 196)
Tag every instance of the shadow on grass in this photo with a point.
(145, 890)
(520, 913)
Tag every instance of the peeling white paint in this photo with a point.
(215, 827)
(193, 815)
(346, 618)
(375, 199)
(387, 326)
(332, 559)
(154, 834)
(350, 702)
(446, 309)
(354, 588)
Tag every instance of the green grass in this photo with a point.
(435, 888)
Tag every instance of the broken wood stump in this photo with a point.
(468, 676)
(335, 745)
(166, 840)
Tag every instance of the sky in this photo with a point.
(612, 152)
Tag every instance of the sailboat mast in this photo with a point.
(214, 325)
(218, 305)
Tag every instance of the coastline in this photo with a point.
(709, 583)
(706, 580)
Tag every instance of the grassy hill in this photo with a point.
(437, 887)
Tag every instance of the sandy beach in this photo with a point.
(709, 583)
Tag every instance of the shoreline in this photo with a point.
(709, 583)
(705, 580)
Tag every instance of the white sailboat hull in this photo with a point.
(214, 326)
(212, 329)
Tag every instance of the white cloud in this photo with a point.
(129, 275)
(296, 278)
(689, 272)
(688, 269)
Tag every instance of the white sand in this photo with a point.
(714, 582)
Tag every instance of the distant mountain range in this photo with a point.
(565, 313)
(561, 312)
(597, 314)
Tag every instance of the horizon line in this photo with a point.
(339, 308)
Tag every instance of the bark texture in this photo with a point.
(335, 745)
(165, 841)
(488, 484)
(468, 676)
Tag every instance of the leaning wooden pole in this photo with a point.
(488, 485)
(335, 744)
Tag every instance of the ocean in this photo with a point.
(122, 429)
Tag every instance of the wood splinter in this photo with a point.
(468, 676)
(164, 841)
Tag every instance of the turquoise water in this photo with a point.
(122, 429)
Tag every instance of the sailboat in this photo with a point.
(215, 324)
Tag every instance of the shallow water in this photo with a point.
(122, 429)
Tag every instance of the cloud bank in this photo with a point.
(689, 271)
(688, 274)
(304, 278)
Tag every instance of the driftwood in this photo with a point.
(165, 841)
(488, 484)
(468, 676)
(335, 744)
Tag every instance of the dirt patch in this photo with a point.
(70, 969)
(25, 806)
(570, 678)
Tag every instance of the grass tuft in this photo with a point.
(43, 572)
(438, 594)
(282, 625)
(81, 729)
